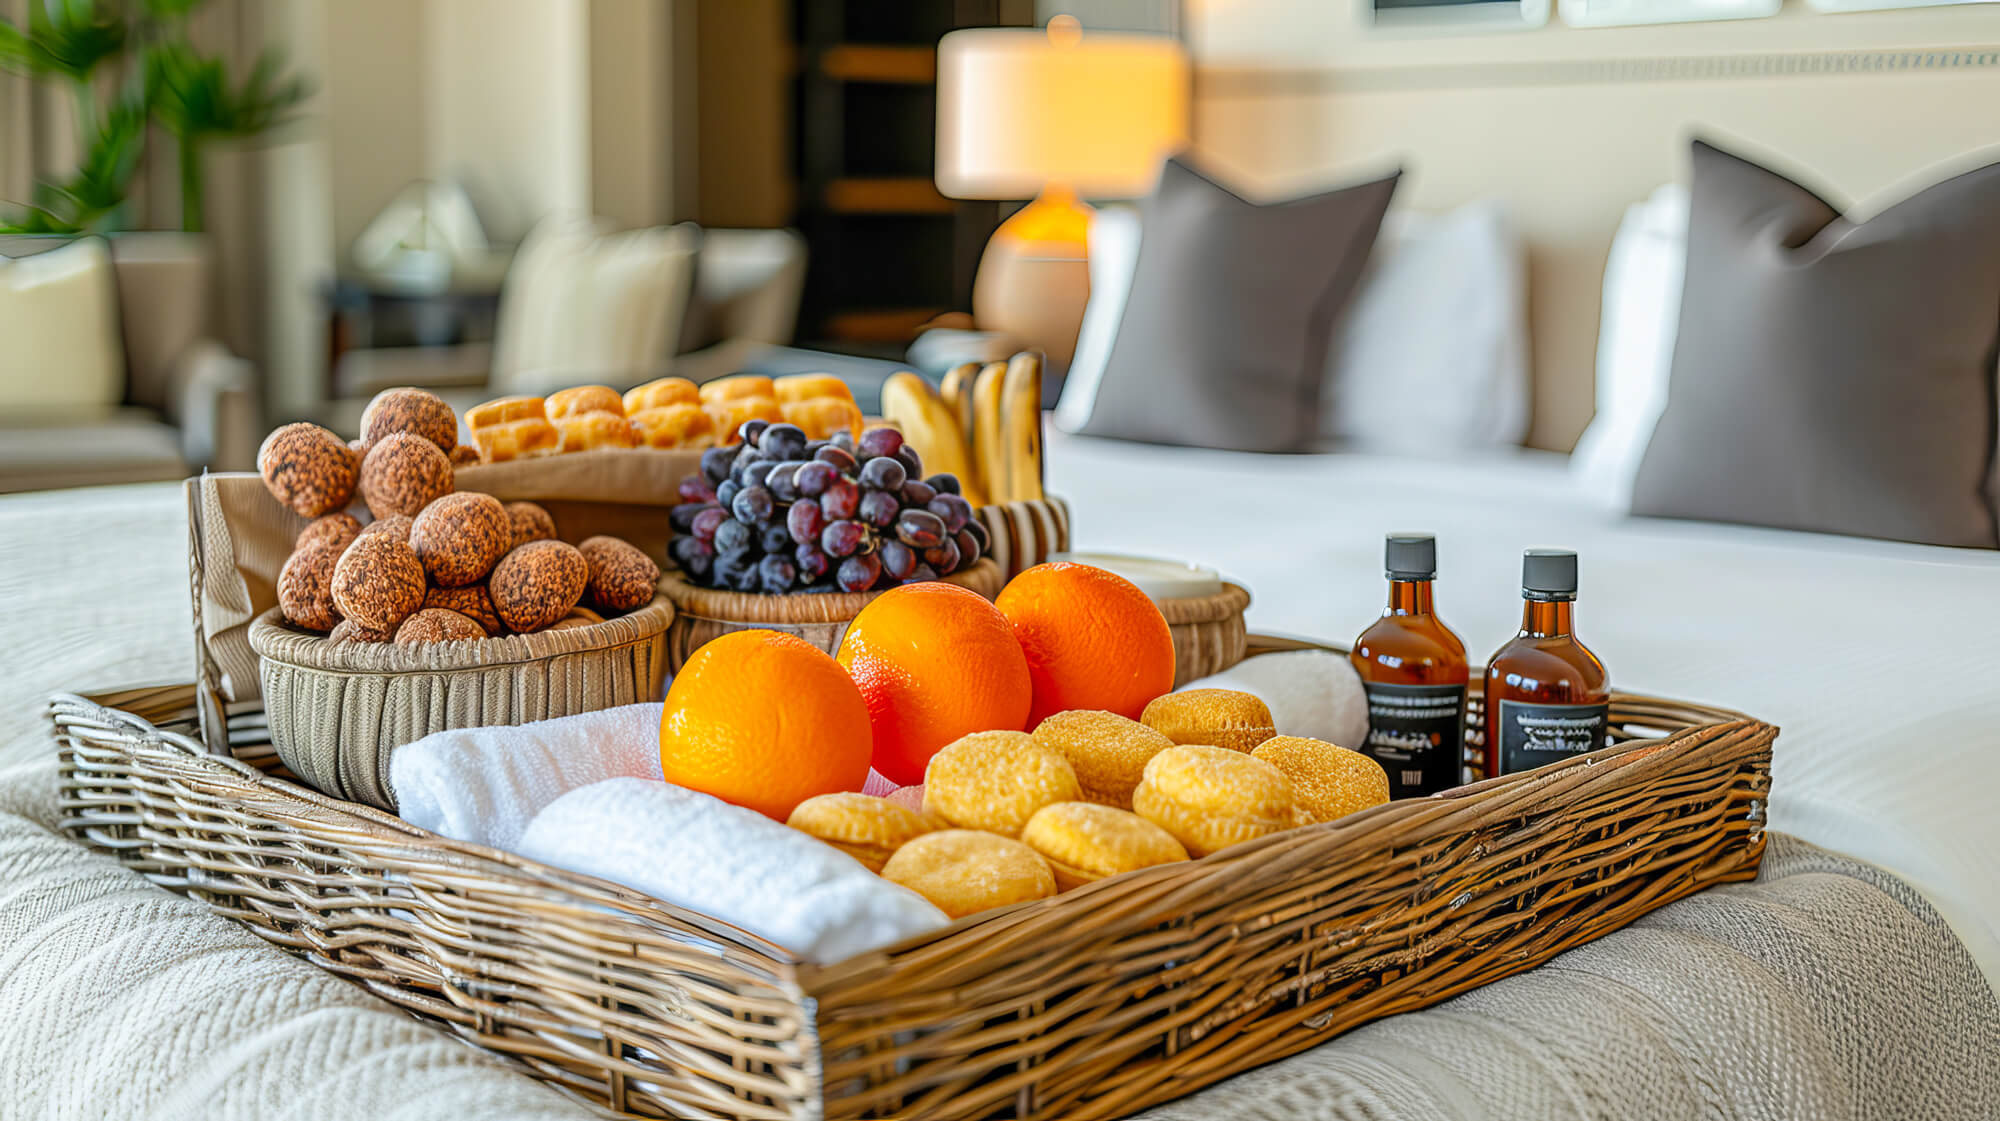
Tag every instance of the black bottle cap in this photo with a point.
(1548, 574)
(1411, 556)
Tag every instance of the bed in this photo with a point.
(1879, 660)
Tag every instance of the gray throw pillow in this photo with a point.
(1224, 337)
(1831, 375)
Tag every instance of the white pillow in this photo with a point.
(1436, 335)
(1436, 340)
(1114, 257)
(580, 304)
(59, 323)
(1635, 344)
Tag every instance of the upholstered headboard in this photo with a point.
(1568, 126)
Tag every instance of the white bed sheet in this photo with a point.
(1880, 661)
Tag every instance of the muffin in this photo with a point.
(460, 537)
(621, 576)
(471, 601)
(305, 587)
(307, 468)
(867, 828)
(335, 530)
(996, 781)
(537, 584)
(378, 582)
(1083, 841)
(1210, 798)
(1217, 717)
(1108, 752)
(1328, 782)
(963, 872)
(418, 412)
(435, 624)
(529, 523)
(402, 474)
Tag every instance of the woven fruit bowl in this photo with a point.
(701, 614)
(1106, 999)
(337, 710)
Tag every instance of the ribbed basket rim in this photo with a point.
(841, 607)
(278, 641)
(1231, 600)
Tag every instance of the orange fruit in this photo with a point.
(934, 662)
(1093, 640)
(764, 720)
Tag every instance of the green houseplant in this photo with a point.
(129, 64)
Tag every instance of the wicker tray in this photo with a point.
(1118, 995)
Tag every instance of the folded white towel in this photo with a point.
(1313, 693)
(485, 784)
(734, 864)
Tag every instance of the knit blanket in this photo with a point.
(1825, 989)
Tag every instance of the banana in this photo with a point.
(929, 426)
(1021, 426)
(988, 449)
(958, 397)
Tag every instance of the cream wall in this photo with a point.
(1569, 126)
(507, 92)
(371, 67)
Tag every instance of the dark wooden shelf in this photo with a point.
(858, 62)
(878, 325)
(909, 195)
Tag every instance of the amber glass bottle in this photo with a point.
(1547, 695)
(1413, 669)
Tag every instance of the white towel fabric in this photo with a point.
(729, 862)
(484, 785)
(1312, 693)
(585, 793)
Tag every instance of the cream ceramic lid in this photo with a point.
(1158, 578)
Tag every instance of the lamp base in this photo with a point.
(1034, 276)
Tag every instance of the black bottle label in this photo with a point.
(1417, 733)
(1532, 735)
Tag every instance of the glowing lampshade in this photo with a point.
(1094, 114)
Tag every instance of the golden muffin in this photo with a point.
(1108, 752)
(821, 417)
(1083, 841)
(736, 388)
(865, 827)
(793, 388)
(583, 432)
(963, 871)
(1210, 798)
(730, 415)
(1217, 717)
(684, 426)
(516, 439)
(660, 393)
(583, 399)
(506, 410)
(1328, 781)
(996, 781)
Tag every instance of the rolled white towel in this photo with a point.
(485, 784)
(1312, 693)
(722, 860)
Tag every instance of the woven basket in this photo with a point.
(1107, 999)
(702, 614)
(1209, 635)
(336, 711)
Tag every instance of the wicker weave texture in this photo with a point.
(1118, 995)
(1209, 635)
(337, 711)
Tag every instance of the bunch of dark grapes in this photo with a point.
(777, 513)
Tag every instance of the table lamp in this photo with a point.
(1054, 116)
